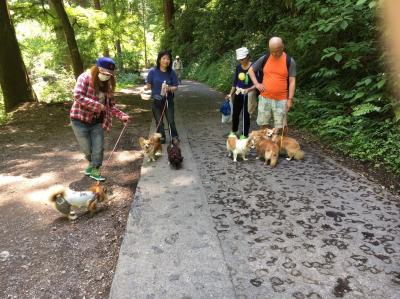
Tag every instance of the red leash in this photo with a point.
(109, 158)
(162, 114)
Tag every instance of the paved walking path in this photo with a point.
(216, 229)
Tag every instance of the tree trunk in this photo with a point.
(120, 60)
(169, 11)
(97, 4)
(61, 54)
(69, 33)
(14, 80)
(106, 50)
(144, 33)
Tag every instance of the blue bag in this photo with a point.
(225, 108)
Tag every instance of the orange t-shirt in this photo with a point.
(275, 78)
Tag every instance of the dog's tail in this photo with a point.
(299, 155)
(55, 192)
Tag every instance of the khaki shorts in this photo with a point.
(268, 108)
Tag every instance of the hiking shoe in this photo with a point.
(95, 174)
(232, 134)
(88, 170)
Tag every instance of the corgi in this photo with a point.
(287, 145)
(174, 153)
(265, 148)
(236, 146)
(64, 199)
(151, 146)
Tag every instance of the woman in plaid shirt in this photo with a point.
(92, 112)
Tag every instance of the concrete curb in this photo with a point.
(170, 248)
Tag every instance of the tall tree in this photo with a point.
(14, 80)
(116, 15)
(61, 54)
(144, 33)
(69, 33)
(106, 50)
(97, 4)
(169, 11)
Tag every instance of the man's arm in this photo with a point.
(253, 78)
(292, 88)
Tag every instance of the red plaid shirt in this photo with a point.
(86, 103)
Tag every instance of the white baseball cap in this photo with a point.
(242, 53)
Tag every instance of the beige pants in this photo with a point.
(252, 102)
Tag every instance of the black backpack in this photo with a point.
(260, 74)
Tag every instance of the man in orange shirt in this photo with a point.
(277, 86)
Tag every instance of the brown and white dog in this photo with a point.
(236, 146)
(64, 199)
(265, 148)
(287, 145)
(151, 146)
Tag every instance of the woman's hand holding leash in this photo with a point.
(125, 119)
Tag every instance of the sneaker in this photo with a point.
(232, 134)
(95, 174)
(242, 137)
(88, 170)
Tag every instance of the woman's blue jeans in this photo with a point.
(158, 106)
(91, 141)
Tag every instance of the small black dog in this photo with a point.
(174, 153)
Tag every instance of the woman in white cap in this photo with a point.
(92, 112)
(239, 94)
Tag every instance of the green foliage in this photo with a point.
(218, 75)
(125, 80)
(45, 52)
(355, 134)
(341, 70)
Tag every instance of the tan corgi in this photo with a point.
(151, 146)
(287, 145)
(237, 147)
(265, 148)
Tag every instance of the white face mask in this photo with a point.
(104, 77)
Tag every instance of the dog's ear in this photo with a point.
(141, 142)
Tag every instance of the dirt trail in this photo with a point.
(49, 256)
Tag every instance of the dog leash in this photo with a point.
(109, 158)
(284, 125)
(162, 113)
(169, 125)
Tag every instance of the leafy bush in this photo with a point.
(128, 79)
(354, 134)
